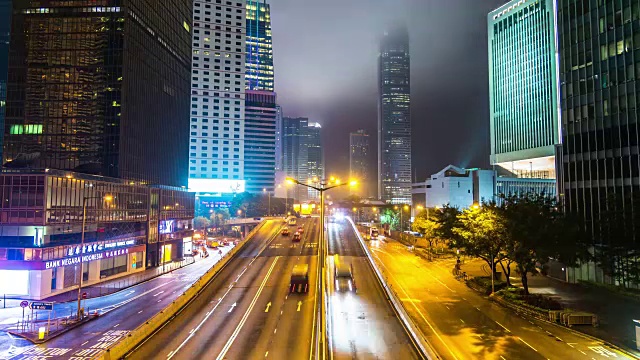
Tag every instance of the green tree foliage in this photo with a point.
(426, 225)
(391, 217)
(447, 218)
(200, 222)
(219, 216)
(481, 232)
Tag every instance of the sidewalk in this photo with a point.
(615, 312)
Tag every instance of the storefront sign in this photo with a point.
(92, 248)
(85, 258)
(166, 226)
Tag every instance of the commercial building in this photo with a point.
(279, 132)
(303, 157)
(260, 140)
(523, 88)
(129, 226)
(259, 71)
(359, 163)
(394, 118)
(216, 153)
(600, 167)
(5, 30)
(100, 89)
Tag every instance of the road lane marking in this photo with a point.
(139, 311)
(420, 312)
(159, 293)
(266, 354)
(116, 325)
(502, 326)
(299, 304)
(462, 321)
(526, 343)
(232, 306)
(233, 336)
(84, 343)
(268, 306)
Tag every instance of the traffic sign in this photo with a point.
(24, 303)
(41, 305)
(84, 295)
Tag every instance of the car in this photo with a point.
(296, 237)
(300, 229)
(285, 232)
(343, 277)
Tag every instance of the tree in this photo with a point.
(200, 222)
(447, 218)
(391, 217)
(220, 216)
(427, 226)
(481, 232)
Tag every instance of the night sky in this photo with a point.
(325, 55)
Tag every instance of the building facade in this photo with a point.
(260, 140)
(217, 95)
(97, 89)
(523, 88)
(599, 71)
(5, 30)
(279, 131)
(456, 187)
(129, 227)
(303, 157)
(259, 71)
(359, 167)
(394, 118)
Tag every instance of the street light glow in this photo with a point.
(290, 181)
(353, 183)
(108, 198)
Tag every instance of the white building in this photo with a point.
(218, 93)
(456, 187)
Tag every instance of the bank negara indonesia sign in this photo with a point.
(85, 258)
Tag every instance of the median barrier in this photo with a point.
(143, 331)
(422, 345)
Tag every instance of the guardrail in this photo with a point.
(419, 340)
(139, 334)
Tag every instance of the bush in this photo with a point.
(536, 301)
(483, 284)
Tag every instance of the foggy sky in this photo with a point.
(325, 58)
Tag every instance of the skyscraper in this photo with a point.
(359, 167)
(5, 28)
(523, 90)
(394, 118)
(279, 132)
(600, 167)
(260, 140)
(259, 72)
(216, 156)
(100, 89)
(303, 157)
(315, 156)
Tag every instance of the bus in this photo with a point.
(373, 233)
(299, 279)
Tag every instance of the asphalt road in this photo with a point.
(246, 312)
(363, 324)
(123, 312)
(460, 324)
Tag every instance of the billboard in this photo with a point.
(216, 186)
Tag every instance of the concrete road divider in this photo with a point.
(139, 334)
(422, 345)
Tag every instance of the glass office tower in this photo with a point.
(394, 118)
(599, 71)
(259, 71)
(523, 90)
(260, 140)
(100, 89)
(5, 27)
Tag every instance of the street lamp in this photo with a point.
(264, 190)
(107, 198)
(355, 213)
(321, 187)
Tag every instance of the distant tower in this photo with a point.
(259, 70)
(394, 118)
(359, 168)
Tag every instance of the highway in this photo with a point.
(461, 324)
(363, 325)
(246, 312)
(122, 312)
